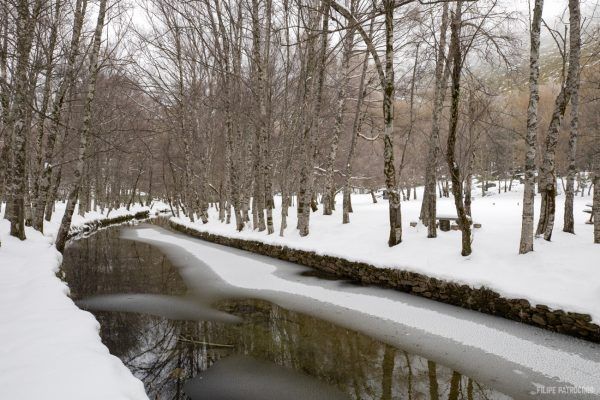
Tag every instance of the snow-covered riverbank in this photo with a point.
(561, 274)
(49, 348)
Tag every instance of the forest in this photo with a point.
(228, 105)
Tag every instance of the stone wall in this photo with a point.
(478, 299)
(94, 225)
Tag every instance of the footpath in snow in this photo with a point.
(49, 348)
(562, 274)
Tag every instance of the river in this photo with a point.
(188, 333)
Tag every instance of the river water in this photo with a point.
(190, 335)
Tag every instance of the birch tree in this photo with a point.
(574, 66)
(526, 244)
(457, 191)
(315, 68)
(386, 79)
(429, 208)
(93, 67)
(15, 208)
(343, 81)
(547, 178)
(45, 197)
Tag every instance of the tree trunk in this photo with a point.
(457, 192)
(389, 169)
(428, 207)
(267, 176)
(46, 98)
(356, 128)
(548, 170)
(329, 192)
(574, 55)
(16, 185)
(44, 186)
(526, 244)
(596, 183)
(468, 187)
(65, 225)
(312, 122)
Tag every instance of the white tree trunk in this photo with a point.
(526, 244)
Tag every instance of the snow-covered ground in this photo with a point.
(49, 348)
(562, 274)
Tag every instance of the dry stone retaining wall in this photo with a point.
(94, 225)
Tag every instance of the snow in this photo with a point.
(49, 348)
(562, 274)
(239, 270)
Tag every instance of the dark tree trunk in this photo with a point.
(457, 192)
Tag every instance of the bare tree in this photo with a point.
(428, 213)
(457, 191)
(547, 178)
(574, 65)
(15, 209)
(526, 244)
(65, 224)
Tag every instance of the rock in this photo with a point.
(583, 317)
(476, 225)
(566, 320)
(413, 224)
(538, 319)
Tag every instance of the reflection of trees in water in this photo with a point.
(165, 354)
(105, 264)
(168, 353)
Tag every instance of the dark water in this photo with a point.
(180, 346)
